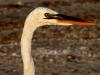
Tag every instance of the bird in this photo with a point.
(38, 17)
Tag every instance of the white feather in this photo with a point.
(34, 20)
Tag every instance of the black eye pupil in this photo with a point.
(47, 15)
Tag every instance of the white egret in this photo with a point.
(39, 17)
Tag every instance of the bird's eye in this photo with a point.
(47, 15)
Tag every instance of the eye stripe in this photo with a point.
(61, 17)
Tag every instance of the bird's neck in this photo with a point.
(29, 68)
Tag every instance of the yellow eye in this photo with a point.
(47, 15)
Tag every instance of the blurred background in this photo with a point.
(62, 50)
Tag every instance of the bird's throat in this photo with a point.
(26, 50)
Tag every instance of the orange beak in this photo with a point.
(68, 20)
(81, 23)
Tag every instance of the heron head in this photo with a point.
(45, 16)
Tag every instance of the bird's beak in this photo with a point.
(63, 19)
